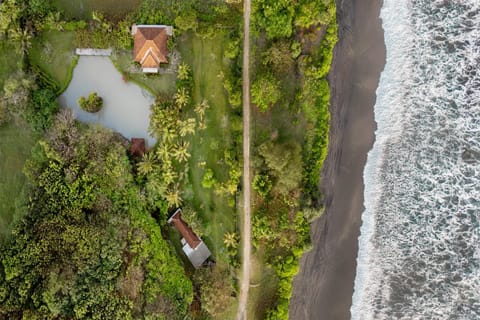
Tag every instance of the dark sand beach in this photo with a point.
(324, 286)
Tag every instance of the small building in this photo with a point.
(137, 147)
(193, 247)
(150, 46)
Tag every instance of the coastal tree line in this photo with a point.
(293, 51)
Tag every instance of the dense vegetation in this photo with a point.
(294, 45)
(88, 247)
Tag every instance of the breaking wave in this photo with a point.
(419, 248)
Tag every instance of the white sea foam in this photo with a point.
(419, 249)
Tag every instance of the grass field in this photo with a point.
(15, 146)
(9, 60)
(81, 9)
(53, 53)
(205, 56)
(156, 83)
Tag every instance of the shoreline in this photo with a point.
(359, 58)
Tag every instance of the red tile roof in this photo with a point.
(150, 46)
(182, 227)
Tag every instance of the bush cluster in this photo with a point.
(294, 46)
(93, 103)
(88, 247)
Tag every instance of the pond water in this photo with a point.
(126, 106)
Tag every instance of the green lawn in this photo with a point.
(205, 56)
(53, 54)
(15, 146)
(9, 61)
(156, 83)
(81, 9)
(263, 289)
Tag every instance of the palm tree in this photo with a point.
(54, 20)
(169, 134)
(24, 37)
(97, 16)
(200, 108)
(181, 98)
(183, 71)
(187, 126)
(181, 152)
(148, 164)
(230, 240)
(163, 151)
(169, 176)
(173, 197)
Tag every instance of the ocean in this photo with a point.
(419, 248)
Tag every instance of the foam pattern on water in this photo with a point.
(419, 255)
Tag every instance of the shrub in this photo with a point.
(284, 162)
(42, 108)
(91, 104)
(262, 184)
(216, 289)
(208, 180)
(265, 91)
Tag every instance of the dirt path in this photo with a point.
(246, 232)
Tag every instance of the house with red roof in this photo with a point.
(150, 46)
(193, 247)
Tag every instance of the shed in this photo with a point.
(137, 147)
(193, 247)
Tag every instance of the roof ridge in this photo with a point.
(150, 52)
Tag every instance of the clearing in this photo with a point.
(208, 147)
(7, 55)
(15, 145)
(53, 54)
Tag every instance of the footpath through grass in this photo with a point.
(15, 146)
(53, 54)
(205, 56)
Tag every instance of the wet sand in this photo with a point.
(324, 286)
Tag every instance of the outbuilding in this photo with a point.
(193, 247)
(150, 46)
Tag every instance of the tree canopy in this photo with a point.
(87, 247)
(284, 160)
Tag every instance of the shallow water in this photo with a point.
(126, 106)
(419, 249)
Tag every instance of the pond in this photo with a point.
(126, 106)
